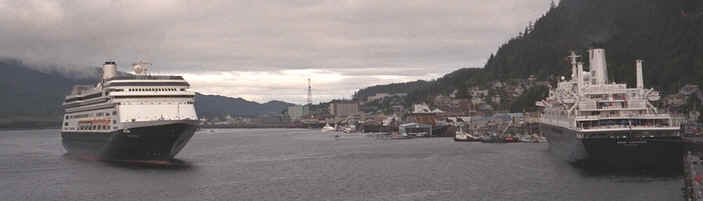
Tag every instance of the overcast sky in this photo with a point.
(265, 50)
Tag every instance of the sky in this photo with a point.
(264, 50)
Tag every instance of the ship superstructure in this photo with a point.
(129, 116)
(589, 118)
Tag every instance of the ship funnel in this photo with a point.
(638, 69)
(598, 65)
(109, 70)
(579, 77)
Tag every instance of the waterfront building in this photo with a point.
(297, 112)
(343, 108)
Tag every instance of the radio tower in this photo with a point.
(309, 93)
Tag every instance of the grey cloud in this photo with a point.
(407, 38)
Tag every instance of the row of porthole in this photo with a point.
(158, 103)
(99, 114)
(94, 127)
(113, 122)
(154, 89)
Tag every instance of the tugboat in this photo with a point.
(590, 119)
(132, 117)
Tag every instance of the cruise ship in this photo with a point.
(127, 117)
(590, 120)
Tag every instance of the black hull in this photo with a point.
(158, 142)
(631, 152)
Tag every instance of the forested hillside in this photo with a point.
(667, 34)
(210, 106)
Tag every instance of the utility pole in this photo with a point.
(309, 93)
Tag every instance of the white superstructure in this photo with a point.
(588, 102)
(127, 101)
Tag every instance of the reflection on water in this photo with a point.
(174, 164)
(592, 169)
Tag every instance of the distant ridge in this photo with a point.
(32, 98)
(221, 106)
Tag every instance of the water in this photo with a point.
(279, 164)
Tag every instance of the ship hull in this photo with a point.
(636, 150)
(151, 141)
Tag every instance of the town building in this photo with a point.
(297, 112)
(343, 108)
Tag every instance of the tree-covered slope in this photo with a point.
(220, 106)
(667, 34)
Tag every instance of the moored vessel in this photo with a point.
(129, 116)
(589, 119)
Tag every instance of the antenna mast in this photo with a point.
(309, 93)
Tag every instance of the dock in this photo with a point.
(693, 168)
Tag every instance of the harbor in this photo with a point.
(306, 164)
(362, 100)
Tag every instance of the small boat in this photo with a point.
(327, 128)
(463, 136)
(491, 138)
(349, 129)
(527, 139)
(509, 139)
(541, 139)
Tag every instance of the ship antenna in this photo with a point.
(141, 67)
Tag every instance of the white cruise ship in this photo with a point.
(129, 117)
(590, 119)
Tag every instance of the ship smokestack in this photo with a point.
(638, 69)
(109, 70)
(579, 76)
(573, 58)
(598, 65)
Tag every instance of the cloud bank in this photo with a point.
(265, 50)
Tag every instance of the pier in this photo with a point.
(693, 163)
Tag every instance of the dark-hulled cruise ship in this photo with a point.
(138, 116)
(589, 119)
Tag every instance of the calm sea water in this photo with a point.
(280, 164)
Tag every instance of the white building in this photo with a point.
(343, 108)
(297, 111)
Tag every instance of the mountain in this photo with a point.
(32, 98)
(221, 106)
(30, 94)
(405, 87)
(665, 33)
